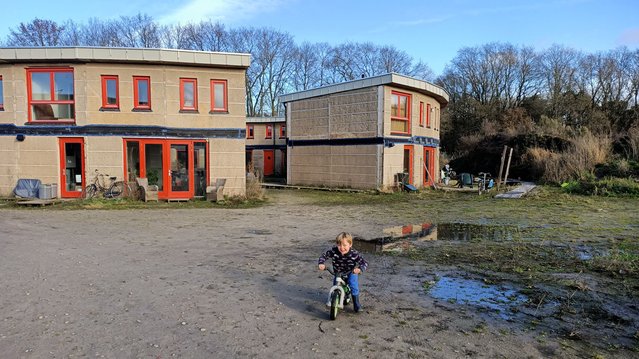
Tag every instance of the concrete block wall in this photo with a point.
(334, 166)
(341, 115)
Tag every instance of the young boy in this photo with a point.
(346, 260)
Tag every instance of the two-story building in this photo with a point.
(266, 146)
(369, 133)
(175, 117)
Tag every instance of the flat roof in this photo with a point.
(123, 55)
(265, 119)
(392, 79)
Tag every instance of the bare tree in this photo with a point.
(38, 32)
(139, 31)
(307, 67)
(558, 67)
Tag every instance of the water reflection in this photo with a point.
(501, 299)
(400, 238)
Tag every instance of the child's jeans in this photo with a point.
(353, 282)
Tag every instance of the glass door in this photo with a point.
(179, 168)
(72, 179)
(180, 173)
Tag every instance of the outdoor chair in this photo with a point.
(216, 192)
(149, 192)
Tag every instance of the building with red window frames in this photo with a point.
(175, 117)
(266, 147)
(369, 133)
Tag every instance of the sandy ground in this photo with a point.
(224, 283)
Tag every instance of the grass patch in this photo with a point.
(127, 204)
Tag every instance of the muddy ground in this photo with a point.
(223, 283)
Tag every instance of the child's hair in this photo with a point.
(344, 236)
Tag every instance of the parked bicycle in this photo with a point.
(100, 186)
(339, 294)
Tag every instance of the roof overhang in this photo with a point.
(123, 55)
(391, 79)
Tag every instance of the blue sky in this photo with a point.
(431, 31)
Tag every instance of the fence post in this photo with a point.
(501, 166)
(510, 155)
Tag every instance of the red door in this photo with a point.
(269, 162)
(408, 163)
(72, 179)
(428, 166)
(180, 170)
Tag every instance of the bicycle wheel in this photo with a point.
(334, 304)
(90, 191)
(115, 190)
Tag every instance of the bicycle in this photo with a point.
(339, 294)
(98, 185)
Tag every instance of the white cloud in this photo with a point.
(226, 11)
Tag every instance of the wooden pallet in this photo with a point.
(36, 202)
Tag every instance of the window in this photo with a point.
(141, 93)
(219, 96)
(51, 96)
(400, 113)
(250, 131)
(283, 131)
(1, 95)
(269, 131)
(421, 114)
(188, 94)
(110, 92)
(428, 115)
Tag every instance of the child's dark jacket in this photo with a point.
(343, 263)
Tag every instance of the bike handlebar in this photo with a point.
(332, 271)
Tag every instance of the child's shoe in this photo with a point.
(356, 305)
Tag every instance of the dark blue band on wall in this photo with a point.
(265, 147)
(124, 131)
(386, 141)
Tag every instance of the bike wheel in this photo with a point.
(334, 304)
(90, 191)
(115, 190)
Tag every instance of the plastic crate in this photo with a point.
(48, 191)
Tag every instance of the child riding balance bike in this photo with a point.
(347, 264)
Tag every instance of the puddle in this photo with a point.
(399, 238)
(587, 253)
(501, 299)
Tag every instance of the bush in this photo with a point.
(612, 187)
(585, 152)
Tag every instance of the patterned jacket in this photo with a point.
(343, 263)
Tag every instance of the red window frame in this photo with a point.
(51, 71)
(428, 115)
(224, 83)
(396, 116)
(269, 131)
(282, 131)
(250, 131)
(105, 95)
(136, 89)
(421, 113)
(183, 82)
(1, 94)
